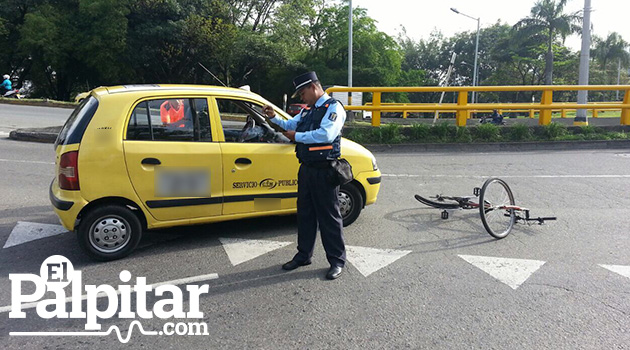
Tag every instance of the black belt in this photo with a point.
(318, 165)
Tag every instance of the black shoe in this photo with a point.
(292, 265)
(334, 272)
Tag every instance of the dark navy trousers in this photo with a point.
(318, 205)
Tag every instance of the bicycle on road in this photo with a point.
(498, 213)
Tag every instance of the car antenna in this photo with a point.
(214, 76)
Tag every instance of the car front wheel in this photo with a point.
(350, 203)
(109, 232)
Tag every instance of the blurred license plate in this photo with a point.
(182, 183)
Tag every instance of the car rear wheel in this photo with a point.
(350, 203)
(109, 232)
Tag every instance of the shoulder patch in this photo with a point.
(332, 116)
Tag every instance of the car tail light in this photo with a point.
(69, 171)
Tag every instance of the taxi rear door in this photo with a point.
(174, 167)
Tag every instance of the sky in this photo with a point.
(421, 17)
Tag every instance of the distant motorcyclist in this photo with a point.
(497, 118)
(6, 85)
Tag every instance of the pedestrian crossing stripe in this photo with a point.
(369, 260)
(512, 272)
(25, 232)
(241, 250)
(618, 269)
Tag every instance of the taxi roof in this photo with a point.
(165, 88)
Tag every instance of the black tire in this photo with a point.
(109, 232)
(438, 205)
(494, 193)
(350, 203)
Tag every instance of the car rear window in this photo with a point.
(72, 131)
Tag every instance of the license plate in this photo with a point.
(182, 183)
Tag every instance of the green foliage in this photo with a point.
(520, 132)
(447, 133)
(419, 132)
(488, 132)
(387, 134)
(65, 47)
(443, 132)
(463, 135)
(554, 131)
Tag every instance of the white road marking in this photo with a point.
(509, 176)
(187, 280)
(25, 161)
(512, 272)
(242, 250)
(369, 260)
(4, 134)
(619, 269)
(25, 232)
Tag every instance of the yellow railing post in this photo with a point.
(595, 113)
(462, 114)
(531, 113)
(376, 115)
(545, 114)
(625, 112)
(563, 113)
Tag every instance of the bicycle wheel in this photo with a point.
(434, 204)
(495, 196)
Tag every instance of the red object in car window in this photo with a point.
(295, 108)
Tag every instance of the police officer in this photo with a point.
(316, 130)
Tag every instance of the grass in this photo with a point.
(448, 133)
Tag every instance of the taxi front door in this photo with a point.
(258, 176)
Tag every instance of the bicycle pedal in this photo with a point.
(444, 215)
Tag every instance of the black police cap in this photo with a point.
(303, 80)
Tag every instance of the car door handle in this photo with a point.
(242, 161)
(151, 161)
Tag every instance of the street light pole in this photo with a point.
(580, 116)
(478, 19)
(350, 45)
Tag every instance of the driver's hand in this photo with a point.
(290, 134)
(269, 112)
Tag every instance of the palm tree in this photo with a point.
(547, 19)
(611, 49)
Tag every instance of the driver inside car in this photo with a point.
(172, 111)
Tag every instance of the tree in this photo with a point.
(611, 50)
(376, 56)
(547, 19)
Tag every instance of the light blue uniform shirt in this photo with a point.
(329, 128)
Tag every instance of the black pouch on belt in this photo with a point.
(341, 172)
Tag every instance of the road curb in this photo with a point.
(38, 103)
(44, 135)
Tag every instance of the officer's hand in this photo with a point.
(269, 112)
(290, 135)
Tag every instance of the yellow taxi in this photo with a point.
(138, 157)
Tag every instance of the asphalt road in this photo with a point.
(17, 117)
(431, 297)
